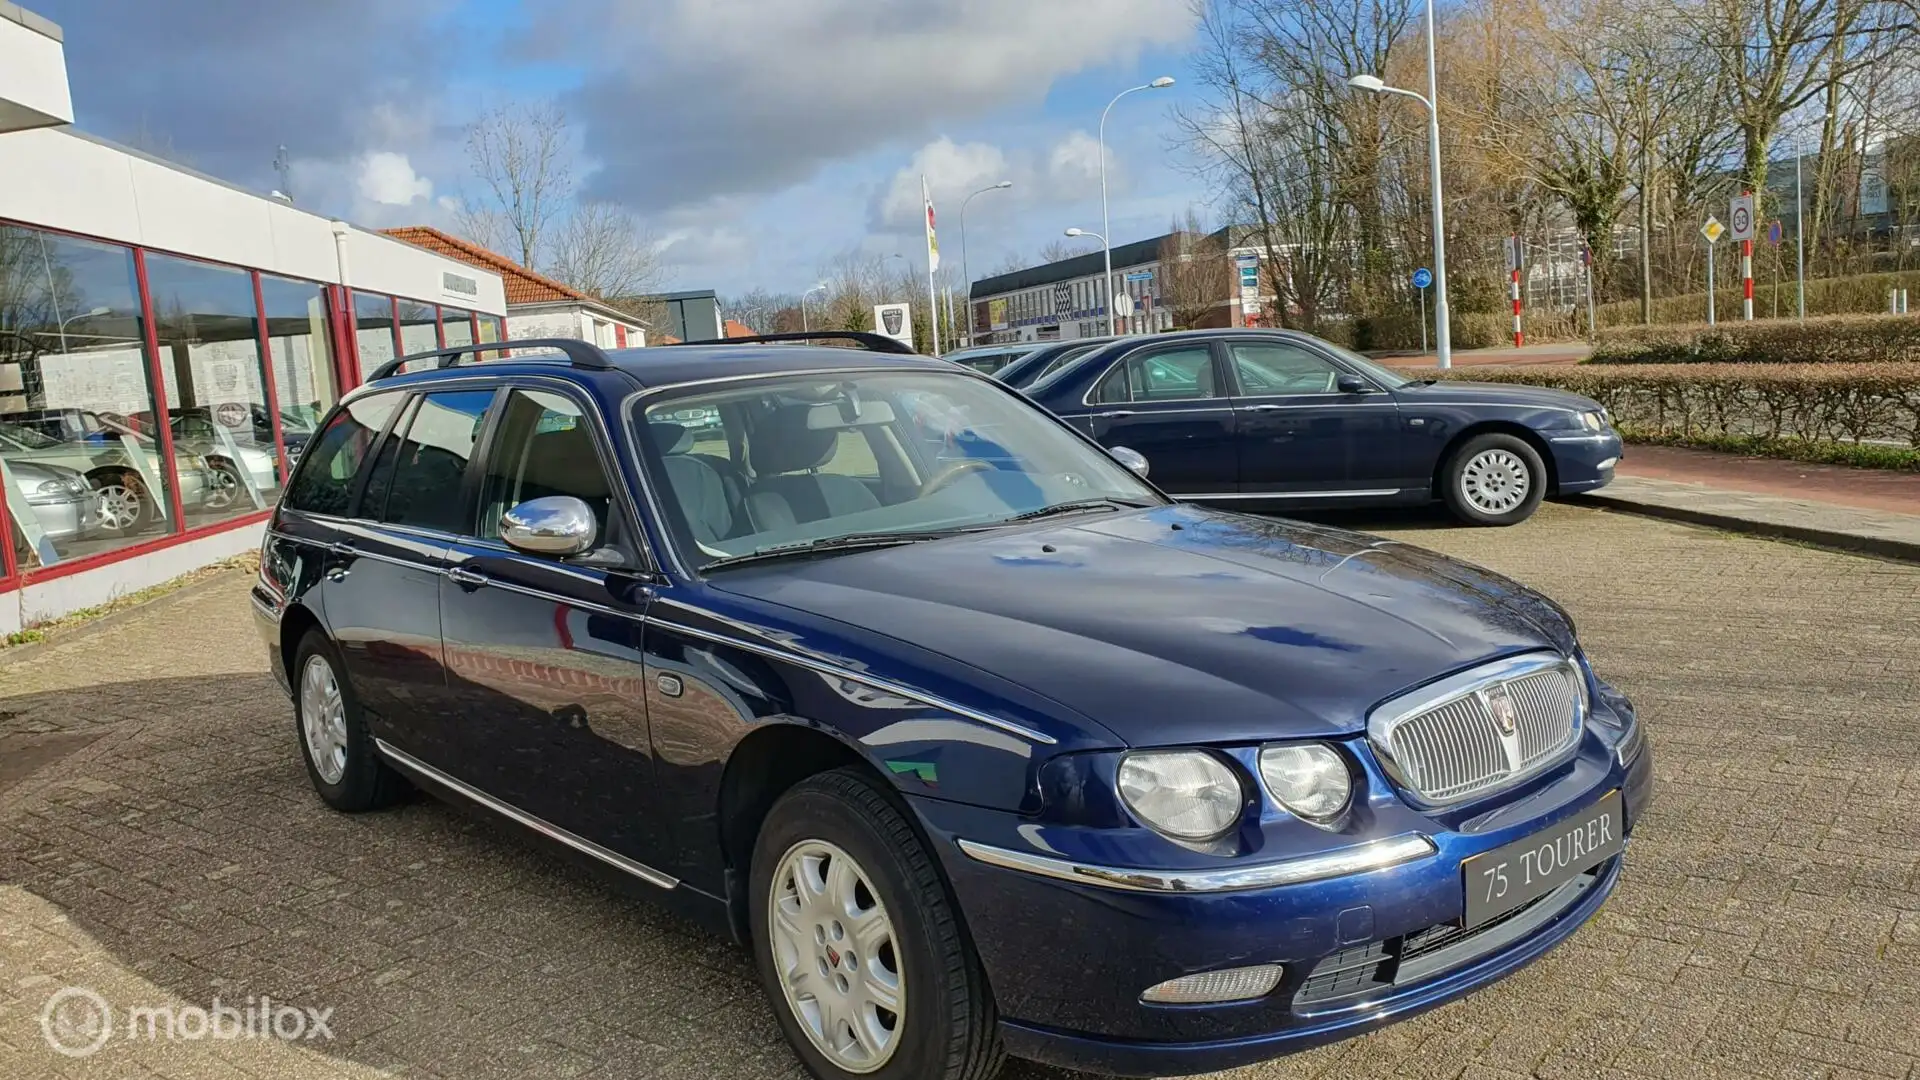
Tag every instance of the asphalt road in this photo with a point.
(160, 846)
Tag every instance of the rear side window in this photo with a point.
(430, 461)
(324, 482)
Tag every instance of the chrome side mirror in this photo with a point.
(554, 525)
(1134, 460)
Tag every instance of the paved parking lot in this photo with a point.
(159, 845)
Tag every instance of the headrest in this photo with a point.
(786, 441)
(670, 438)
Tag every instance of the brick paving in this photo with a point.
(1864, 489)
(161, 846)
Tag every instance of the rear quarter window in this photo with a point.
(324, 482)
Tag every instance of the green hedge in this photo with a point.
(1470, 330)
(1859, 294)
(1839, 339)
(1820, 403)
(1856, 455)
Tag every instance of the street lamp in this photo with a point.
(1443, 356)
(806, 327)
(83, 315)
(963, 249)
(1106, 226)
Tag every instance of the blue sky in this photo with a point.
(759, 139)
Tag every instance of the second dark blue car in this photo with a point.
(1275, 418)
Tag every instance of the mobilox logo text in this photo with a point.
(78, 1022)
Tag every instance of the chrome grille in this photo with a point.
(1449, 742)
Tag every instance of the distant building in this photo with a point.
(691, 316)
(537, 305)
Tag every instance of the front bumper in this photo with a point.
(1068, 960)
(1585, 461)
(64, 519)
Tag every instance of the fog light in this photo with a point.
(1607, 464)
(1232, 984)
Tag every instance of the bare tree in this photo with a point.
(603, 250)
(1059, 250)
(520, 155)
(1195, 278)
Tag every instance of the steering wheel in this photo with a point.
(950, 473)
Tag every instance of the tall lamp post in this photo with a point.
(1106, 227)
(963, 249)
(805, 327)
(1443, 355)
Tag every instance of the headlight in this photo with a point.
(1187, 794)
(1309, 779)
(52, 487)
(1594, 421)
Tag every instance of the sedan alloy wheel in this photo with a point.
(323, 719)
(835, 951)
(1495, 481)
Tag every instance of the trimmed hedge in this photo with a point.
(1838, 339)
(1856, 455)
(1816, 403)
(1470, 330)
(1857, 294)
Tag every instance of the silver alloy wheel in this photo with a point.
(223, 487)
(1495, 481)
(120, 507)
(837, 957)
(323, 719)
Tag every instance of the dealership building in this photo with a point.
(167, 343)
(1062, 300)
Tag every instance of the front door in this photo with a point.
(544, 654)
(1167, 403)
(1300, 433)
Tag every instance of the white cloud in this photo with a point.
(388, 178)
(1074, 162)
(953, 171)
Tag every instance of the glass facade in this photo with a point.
(115, 434)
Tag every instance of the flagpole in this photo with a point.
(933, 261)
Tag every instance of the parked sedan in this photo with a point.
(977, 741)
(62, 501)
(106, 458)
(1277, 418)
(1046, 360)
(987, 359)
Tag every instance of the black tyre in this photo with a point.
(332, 731)
(859, 946)
(1493, 479)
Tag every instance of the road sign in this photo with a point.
(1773, 232)
(1123, 305)
(1140, 275)
(1247, 259)
(1712, 229)
(1740, 217)
(1422, 278)
(1514, 252)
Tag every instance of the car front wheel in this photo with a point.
(341, 760)
(858, 944)
(1494, 479)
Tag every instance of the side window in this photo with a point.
(324, 482)
(431, 460)
(545, 448)
(1271, 368)
(1174, 375)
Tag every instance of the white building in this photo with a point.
(166, 340)
(537, 305)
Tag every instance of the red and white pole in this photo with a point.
(1519, 339)
(1746, 277)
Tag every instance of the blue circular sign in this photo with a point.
(1422, 278)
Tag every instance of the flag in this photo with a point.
(933, 242)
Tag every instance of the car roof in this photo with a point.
(659, 367)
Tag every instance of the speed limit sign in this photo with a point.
(1740, 217)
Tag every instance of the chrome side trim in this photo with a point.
(1292, 494)
(579, 843)
(840, 672)
(1359, 859)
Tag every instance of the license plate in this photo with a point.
(1500, 880)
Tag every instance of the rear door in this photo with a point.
(1299, 433)
(1168, 403)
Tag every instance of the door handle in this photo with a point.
(338, 574)
(1115, 414)
(462, 576)
(1263, 408)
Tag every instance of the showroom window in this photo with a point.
(373, 332)
(77, 475)
(209, 335)
(456, 326)
(418, 332)
(492, 328)
(298, 346)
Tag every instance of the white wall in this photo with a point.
(62, 180)
(89, 588)
(33, 75)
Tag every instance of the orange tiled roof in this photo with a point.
(523, 285)
(736, 328)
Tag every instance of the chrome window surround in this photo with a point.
(1467, 687)
(1340, 862)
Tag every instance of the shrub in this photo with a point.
(1828, 403)
(1857, 294)
(1840, 339)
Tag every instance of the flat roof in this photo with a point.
(39, 24)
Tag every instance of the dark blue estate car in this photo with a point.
(980, 743)
(1277, 418)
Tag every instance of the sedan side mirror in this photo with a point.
(1134, 460)
(1353, 384)
(554, 525)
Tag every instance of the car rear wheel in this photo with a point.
(858, 944)
(341, 760)
(1494, 479)
(120, 502)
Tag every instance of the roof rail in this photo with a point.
(583, 354)
(870, 341)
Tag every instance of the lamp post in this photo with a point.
(1443, 354)
(1106, 226)
(83, 315)
(806, 327)
(963, 249)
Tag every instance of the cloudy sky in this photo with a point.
(760, 138)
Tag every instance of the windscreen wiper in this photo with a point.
(1074, 507)
(828, 544)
